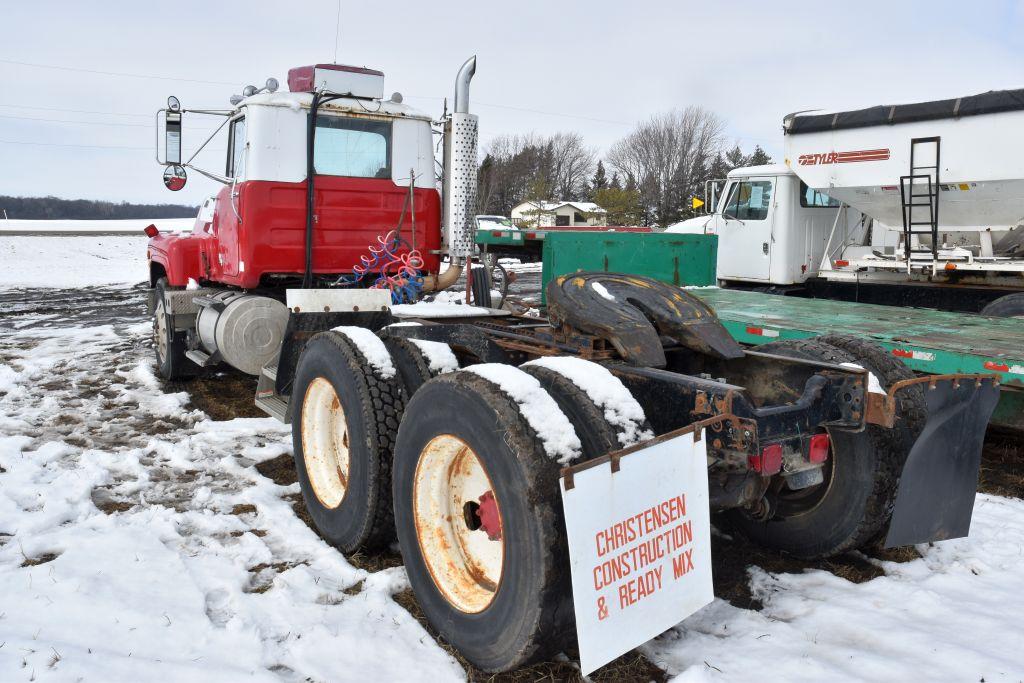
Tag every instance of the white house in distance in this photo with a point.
(548, 214)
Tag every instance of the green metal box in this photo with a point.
(678, 259)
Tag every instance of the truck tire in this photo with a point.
(1009, 306)
(345, 417)
(412, 363)
(169, 344)
(597, 435)
(851, 507)
(479, 522)
(911, 409)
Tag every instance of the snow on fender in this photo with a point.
(639, 533)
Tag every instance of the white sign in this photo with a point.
(639, 546)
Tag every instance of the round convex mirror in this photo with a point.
(175, 177)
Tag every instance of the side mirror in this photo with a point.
(172, 131)
(175, 178)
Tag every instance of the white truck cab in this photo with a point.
(772, 228)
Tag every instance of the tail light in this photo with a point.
(818, 451)
(842, 263)
(151, 230)
(769, 461)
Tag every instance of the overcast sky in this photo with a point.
(595, 67)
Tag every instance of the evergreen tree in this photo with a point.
(615, 184)
(719, 168)
(735, 158)
(599, 181)
(759, 157)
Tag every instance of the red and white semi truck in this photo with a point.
(496, 448)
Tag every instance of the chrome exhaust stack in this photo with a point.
(459, 186)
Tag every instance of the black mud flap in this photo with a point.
(936, 491)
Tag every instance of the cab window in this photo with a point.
(356, 148)
(809, 197)
(236, 149)
(749, 200)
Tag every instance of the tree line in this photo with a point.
(649, 177)
(54, 208)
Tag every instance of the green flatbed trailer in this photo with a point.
(926, 340)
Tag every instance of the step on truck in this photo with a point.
(910, 205)
(549, 480)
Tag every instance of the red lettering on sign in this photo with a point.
(637, 589)
(642, 524)
(682, 564)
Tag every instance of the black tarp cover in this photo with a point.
(991, 102)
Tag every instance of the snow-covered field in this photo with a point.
(130, 226)
(139, 541)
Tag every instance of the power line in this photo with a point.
(113, 73)
(58, 144)
(532, 111)
(93, 123)
(75, 111)
(88, 123)
(61, 144)
(193, 80)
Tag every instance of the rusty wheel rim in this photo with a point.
(325, 443)
(458, 524)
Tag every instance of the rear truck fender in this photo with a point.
(935, 498)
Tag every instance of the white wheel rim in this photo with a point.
(325, 442)
(465, 563)
(160, 331)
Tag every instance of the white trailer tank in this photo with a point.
(859, 156)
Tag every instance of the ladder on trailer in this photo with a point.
(924, 175)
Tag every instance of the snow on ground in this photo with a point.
(129, 226)
(72, 260)
(953, 615)
(138, 542)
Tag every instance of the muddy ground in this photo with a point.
(228, 394)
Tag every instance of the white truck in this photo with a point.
(918, 204)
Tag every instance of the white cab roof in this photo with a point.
(343, 104)
(767, 169)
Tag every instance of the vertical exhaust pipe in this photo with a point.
(459, 187)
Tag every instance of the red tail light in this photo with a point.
(842, 263)
(495, 233)
(769, 462)
(151, 231)
(818, 451)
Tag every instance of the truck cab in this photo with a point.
(373, 159)
(772, 228)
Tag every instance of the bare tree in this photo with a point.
(572, 163)
(667, 157)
